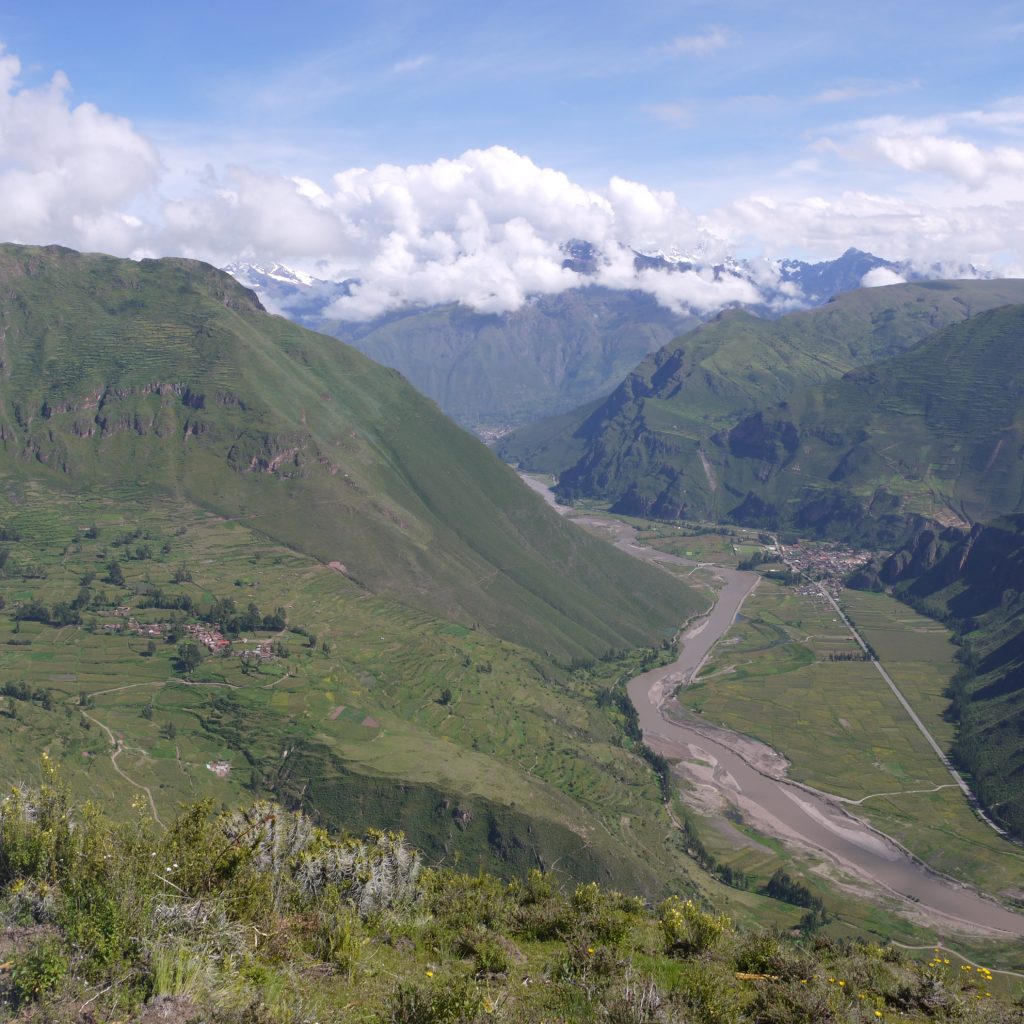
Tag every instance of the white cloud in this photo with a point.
(67, 173)
(881, 276)
(485, 228)
(714, 38)
(862, 90)
(403, 67)
(953, 157)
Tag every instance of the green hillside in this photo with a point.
(975, 582)
(166, 376)
(437, 647)
(934, 433)
(648, 447)
(256, 916)
(492, 371)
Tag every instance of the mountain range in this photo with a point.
(491, 372)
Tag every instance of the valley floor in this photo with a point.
(860, 799)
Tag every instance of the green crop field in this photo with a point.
(916, 652)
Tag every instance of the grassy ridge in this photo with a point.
(935, 432)
(168, 374)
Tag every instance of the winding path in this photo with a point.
(119, 748)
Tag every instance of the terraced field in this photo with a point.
(482, 750)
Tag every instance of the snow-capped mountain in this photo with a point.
(494, 371)
(292, 293)
(782, 284)
(256, 275)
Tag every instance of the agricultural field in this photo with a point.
(785, 674)
(916, 651)
(365, 705)
(693, 542)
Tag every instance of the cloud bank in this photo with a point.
(487, 228)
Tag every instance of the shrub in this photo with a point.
(338, 938)
(492, 954)
(706, 997)
(638, 1002)
(602, 914)
(587, 963)
(764, 954)
(30, 901)
(373, 875)
(467, 901)
(456, 1001)
(796, 1003)
(688, 930)
(39, 971)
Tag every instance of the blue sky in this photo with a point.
(910, 111)
(654, 91)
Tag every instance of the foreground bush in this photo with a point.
(259, 916)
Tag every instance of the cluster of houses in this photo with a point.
(211, 638)
(830, 565)
(153, 630)
(218, 643)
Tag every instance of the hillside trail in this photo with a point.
(119, 749)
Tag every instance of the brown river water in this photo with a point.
(804, 818)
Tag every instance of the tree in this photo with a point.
(150, 648)
(115, 575)
(446, 697)
(190, 657)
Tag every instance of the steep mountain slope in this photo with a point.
(975, 581)
(166, 376)
(490, 372)
(936, 433)
(493, 371)
(648, 448)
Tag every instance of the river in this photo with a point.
(739, 770)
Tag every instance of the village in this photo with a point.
(208, 636)
(827, 564)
